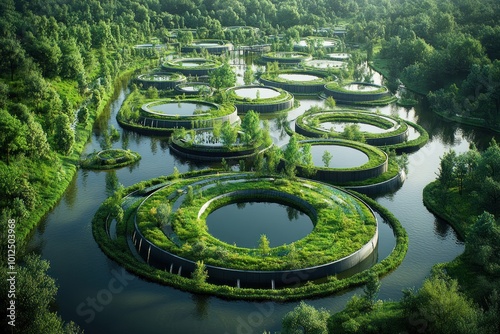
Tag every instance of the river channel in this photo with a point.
(100, 297)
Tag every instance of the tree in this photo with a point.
(250, 127)
(326, 158)
(443, 307)
(292, 155)
(372, 288)
(330, 102)
(264, 245)
(305, 319)
(12, 55)
(64, 135)
(71, 61)
(35, 296)
(273, 157)
(447, 165)
(12, 134)
(36, 143)
(222, 77)
(200, 274)
(228, 135)
(163, 214)
(482, 243)
(248, 76)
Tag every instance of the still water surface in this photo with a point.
(85, 275)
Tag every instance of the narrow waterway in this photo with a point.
(99, 296)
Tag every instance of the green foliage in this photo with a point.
(482, 244)
(163, 214)
(442, 307)
(64, 135)
(200, 274)
(250, 126)
(229, 134)
(264, 245)
(371, 289)
(326, 158)
(305, 319)
(35, 297)
(222, 77)
(330, 102)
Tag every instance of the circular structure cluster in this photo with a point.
(345, 232)
(359, 93)
(160, 80)
(339, 56)
(213, 46)
(297, 81)
(286, 57)
(191, 66)
(377, 129)
(261, 99)
(163, 116)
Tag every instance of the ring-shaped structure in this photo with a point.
(283, 57)
(261, 99)
(392, 130)
(191, 66)
(304, 82)
(160, 80)
(345, 232)
(358, 92)
(378, 163)
(212, 46)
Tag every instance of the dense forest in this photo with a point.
(59, 60)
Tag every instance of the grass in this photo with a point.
(118, 251)
(109, 159)
(338, 231)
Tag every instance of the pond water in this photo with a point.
(343, 56)
(325, 43)
(156, 77)
(361, 87)
(189, 63)
(179, 108)
(342, 156)
(340, 126)
(326, 63)
(298, 77)
(206, 44)
(83, 272)
(243, 224)
(253, 92)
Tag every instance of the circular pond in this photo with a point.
(377, 129)
(178, 108)
(194, 88)
(339, 56)
(359, 92)
(302, 82)
(160, 80)
(286, 57)
(298, 77)
(210, 45)
(341, 126)
(360, 87)
(261, 99)
(325, 64)
(191, 66)
(342, 156)
(327, 249)
(256, 93)
(243, 223)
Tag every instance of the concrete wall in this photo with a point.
(354, 97)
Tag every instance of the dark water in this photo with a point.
(101, 298)
(342, 156)
(244, 223)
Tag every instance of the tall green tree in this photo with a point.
(250, 126)
(12, 135)
(64, 137)
(222, 77)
